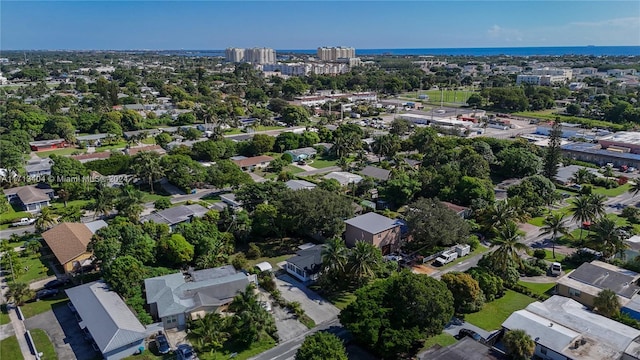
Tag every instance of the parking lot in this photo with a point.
(317, 308)
(62, 327)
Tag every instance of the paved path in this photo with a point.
(6, 331)
(6, 234)
(20, 331)
(37, 285)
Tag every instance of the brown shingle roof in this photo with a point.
(68, 240)
(253, 160)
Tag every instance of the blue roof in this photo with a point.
(593, 149)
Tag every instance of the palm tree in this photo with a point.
(635, 187)
(385, 145)
(364, 261)
(519, 344)
(554, 224)
(606, 237)
(32, 246)
(46, 219)
(582, 211)
(146, 165)
(64, 195)
(19, 293)
(607, 303)
(208, 332)
(334, 255)
(582, 176)
(498, 215)
(596, 201)
(129, 202)
(508, 242)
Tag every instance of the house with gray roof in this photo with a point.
(563, 328)
(114, 328)
(30, 198)
(376, 173)
(306, 264)
(300, 185)
(584, 283)
(176, 215)
(375, 229)
(302, 153)
(37, 168)
(175, 298)
(344, 178)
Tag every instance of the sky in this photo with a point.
(174, 25)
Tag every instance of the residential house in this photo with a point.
(344, 178)
(377, 174)
(300, 185)
(584, 283)
(114, 328)
(562, 328)
(175, 298)
(375, 229)
(176, 215)
(255, 162)
(84, 158)
(306, 264)
(147, 133)
(39, 168)
(44, 145)
(230, 200)
(69, 241)
(462, 211)
(151, 148)
(30, 198)
(302, 153)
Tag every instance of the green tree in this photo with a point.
(635, 187)
(19, 293)
(508, 242)
(208, 333)
(146, 166)
(518, 162)
(607, 303)
(163, 139)
(467, 295)
(125, 274)
(262, 143)
(386, 145)
(321, 346)
(519, 344)
(363, 262)
(491, 285)
(265, 219)
(553, 152)
(582, 211)
(554, 225)
(294, 115)
(162, 203)
(251, 321)
(129, 202)
(32, 246)
(432, 224)
(401, 188)
(606, 237)
(175, 250)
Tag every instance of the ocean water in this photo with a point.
(514, 51)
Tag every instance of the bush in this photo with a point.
(239, 262)
(473, 242)
(605, 182)
(539, 253)
(253, 252)
(162, 204)
(265, 280)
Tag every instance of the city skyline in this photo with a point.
(116, 25)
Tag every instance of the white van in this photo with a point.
(556, 269)
(446, 257)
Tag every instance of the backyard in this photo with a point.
(493, 314)
(34, 267)
(539, 288)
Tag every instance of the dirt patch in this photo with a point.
(423, 269)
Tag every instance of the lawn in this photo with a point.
(322, 163)
(10, 349)
(153, 197)
(271, 260)
(118, 145)
(82, 204)
(149, 141)
(38, 307)
(539, 288)
(493, 314)
(43, 344)
(612, 192)
(550, 115)
(67, 151)
(341, 299)
(539, 220)
(4, 315)
(253, 350)
(443, 340)
(448, 96)
(559, 257)
(479, 250)
(13, 214)
(36, 269)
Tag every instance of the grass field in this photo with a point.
(322, 163)
(13, 214)
(36, 270)
(67, 151)
(10, 349)
(550, 115)
(493, 314)
(40, 306)
(539, 288)
(448, 96)
(443, 340)
(342, 299)
(43, 344)
(612, 192)
(148, 197)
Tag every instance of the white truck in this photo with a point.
(446, 257)
(24, 222)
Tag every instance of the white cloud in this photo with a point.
(500, 33)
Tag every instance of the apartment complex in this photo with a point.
(335, 53)
(254, 55)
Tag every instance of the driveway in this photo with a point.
(66, 336)
(317, 308)
(286, 323)
(453, 329)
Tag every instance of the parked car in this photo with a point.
(53, 284)
(185, 352)
(446, 257)
(46, 293)
(470, 333)
(162, 343)
(24, 222)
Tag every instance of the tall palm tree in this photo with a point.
(606, 237)
(146, 165)
(596, 201)
(635, 187)
(208, 332)
(555, 224)
(129, 202)
(364, 261)
(498, 215)
(582, 176)
(508, 242)
(582, 211)
(46, 219)
(334, 255)
(19, 293)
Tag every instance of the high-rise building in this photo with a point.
(235, 55)
(260, 56)
(335, 53)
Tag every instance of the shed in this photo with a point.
(264, 266)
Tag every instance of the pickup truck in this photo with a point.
(446, 257)
(24, 222)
